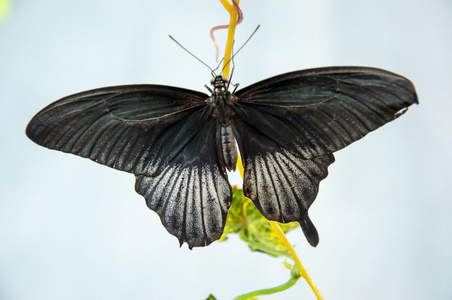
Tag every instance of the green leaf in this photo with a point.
(4, 9)
(211, 297)
(244, 219)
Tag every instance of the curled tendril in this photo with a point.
(215, 28)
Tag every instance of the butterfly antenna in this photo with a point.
(242, 46)
(219, 64)
(174, 40)
(233, 67)
(235, 85)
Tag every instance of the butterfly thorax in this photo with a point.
(222, 102)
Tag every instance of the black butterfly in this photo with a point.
(179, 142)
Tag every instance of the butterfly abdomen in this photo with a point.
(228, 146)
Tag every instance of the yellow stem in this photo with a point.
(231, 32)
(227, 56)
(303, 271)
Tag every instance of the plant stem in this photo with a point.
(303, 271)
(269, 291)
(231, 32)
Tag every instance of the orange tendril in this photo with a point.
(215, 28)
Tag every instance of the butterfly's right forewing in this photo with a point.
(288, 126)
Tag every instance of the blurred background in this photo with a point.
(73, 229)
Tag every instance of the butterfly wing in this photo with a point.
(133, 128)
(162, 135)
(292, 123)
(192, 195)
(281, 184)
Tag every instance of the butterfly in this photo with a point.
(178, 143)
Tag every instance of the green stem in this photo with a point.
(269, 291)
(264, 248)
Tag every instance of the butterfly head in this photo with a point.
(219, 83)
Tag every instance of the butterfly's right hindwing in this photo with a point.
(281, 185)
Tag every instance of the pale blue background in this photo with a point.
(72, 229)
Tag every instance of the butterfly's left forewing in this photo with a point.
(166, 136)
(132, 128)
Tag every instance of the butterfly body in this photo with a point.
(222, 104)
(178, 143)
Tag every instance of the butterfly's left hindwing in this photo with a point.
(192, 195)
